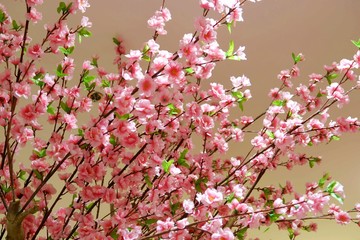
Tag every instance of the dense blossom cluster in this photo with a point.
(136, 169)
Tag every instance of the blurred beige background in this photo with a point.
(273, 29)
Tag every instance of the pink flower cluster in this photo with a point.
(142, 152)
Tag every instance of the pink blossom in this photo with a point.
(144, 108)
(68, 67)
(81, 5)
(164, 225)
(130, 140)
(34, 15)
(213, 52)
(134, 55)
(70, 120)
(209, 197)
(22, 89)
(220, 143)
(28, 113)
(206, 29)
(335, 91)
(223, 234)
(207, 4)
(188, 206)
(147, 86)
(339, 189)
(33, 3)
(342, 217)
(239, 82)
(157, 22)
(95, 136)
(213, 225)
(279, 206)
(285, 77)
(35, 51)
(174, 71)
(346, 64)
(132, 233)
(85, 22)
(240, 54)
(235, 15)
(256, 220)
(181, 224)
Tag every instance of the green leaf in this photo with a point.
(22, 174)
(125, 116)
(241, 233)
(230, 51)
(237, 95)
(65, 107)
(116, 41)
(274, 216)
(279, 103)
(114, 234)
(270, 134)
(146, 58)
(356, 43)
(229, 198)
(337, 197)
(66, 51)
(84, 32)
(89, 206)
(145, 49)
(5, 188)
(148, 181)
(267, 192)
(59, 71)
(94, 62)
(291, 233)
(335, 138)
(166, 165)
(198, 183)
(74, 196)
(15, 25)
(319, 95)
(88, 79)
(313, 160)
(113, 140)
(37, 80)
(235, 57)
(38, 174)
(173, 110)
(330, 77)
(322, 180)
(239, 99)
(90, 87)
(105, 83)
(41, 153)
(174, 207)
(150, 221)
(241, 106)
(330, 187)
(229, 26)
(2, 16)
(80, 132)
(51, 110)
(189, 70)
(296, 58)
(182, 160)
(61, 7)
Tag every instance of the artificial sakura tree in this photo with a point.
(140, 153)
